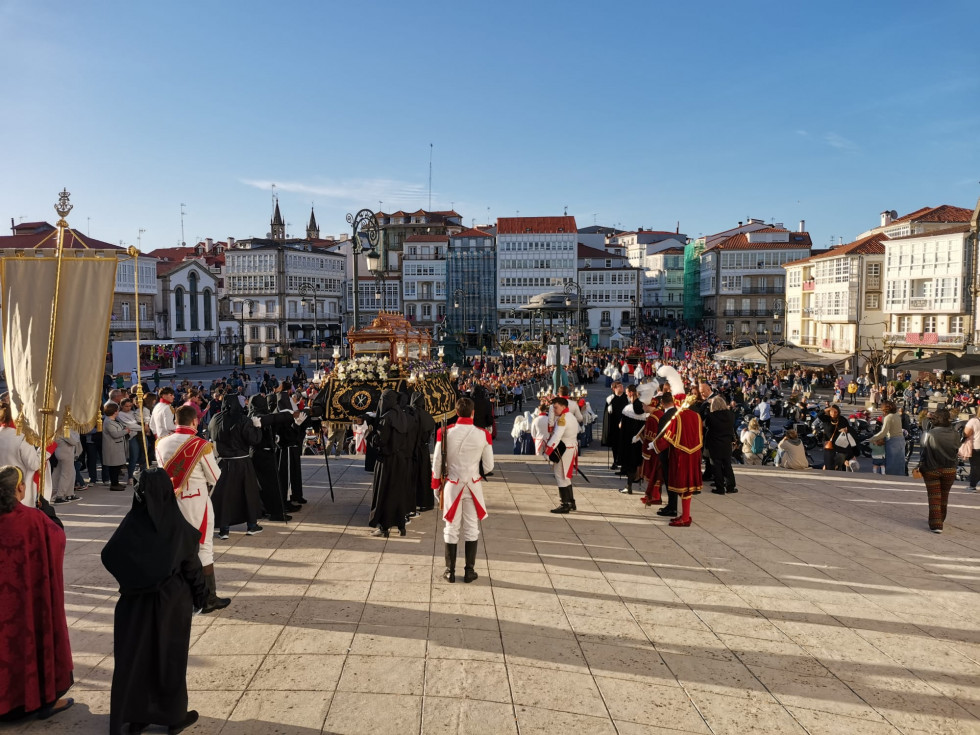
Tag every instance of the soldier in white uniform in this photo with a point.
(565, 431)
(462, 504)
(162, 418)
(190, 462)
(540, 430)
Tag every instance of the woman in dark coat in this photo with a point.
(937, 463)
(834, 425)
(264, 459)
(422, 464)
(391, 439)
(153, 556)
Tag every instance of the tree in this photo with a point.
(875, 357)
(767, 349)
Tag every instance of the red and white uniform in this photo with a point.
(463, 505)
(360, 438)
(540, 431)
(565, 430)
(193, 498)
(162, 420)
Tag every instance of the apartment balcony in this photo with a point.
(925, 339)
(920, 303)
(761, 290)
(836, 345)
(872, 283)
(605, 323)
(808, 285)
(747, 312)
(808, 341)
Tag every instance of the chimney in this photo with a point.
(12, 230)
(231, 243)
(886, 218)
(209, 246)
(740, 223)
(802, 226)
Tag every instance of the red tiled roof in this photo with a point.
(670, 251)
(942, 213)
(741, 242)
(427, 238)
(958, 229)
(73, 241)
(535, 225)
(30, 228)
(584, 251)
(472, 232)
(870, 245)
(771, 229)
(180, 254)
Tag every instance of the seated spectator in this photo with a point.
(791, 454)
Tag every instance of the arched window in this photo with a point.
(208, 324)
(179, 309)
(192, 283)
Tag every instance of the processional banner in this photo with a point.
(84, 302)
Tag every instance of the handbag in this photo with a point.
(828, 444)
(917, 473)
(965, 452)
(845, 441)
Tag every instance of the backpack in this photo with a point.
(758, 444)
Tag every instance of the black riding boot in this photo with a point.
(671, 508)
(469, 571)
(565, 506)
(570, 498)
(450, 573)
(214, 602)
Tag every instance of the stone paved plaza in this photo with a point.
(808, 602)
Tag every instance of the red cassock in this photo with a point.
(652, 471)
(682, 436)
(35, 655)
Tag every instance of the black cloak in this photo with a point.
(154, 557)
(422, 461)
(391, 439)
(236, 494)
(264, 456)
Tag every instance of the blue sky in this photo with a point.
(630, 113)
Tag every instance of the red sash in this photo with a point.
(180, 466)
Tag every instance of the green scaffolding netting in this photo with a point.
(693, 306)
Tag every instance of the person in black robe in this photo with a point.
(413, 425)
(670, 408)
(370, 449)
(611, 418)
(482, 408)
(631, 451)
(422, 466)
(391, 439)
(236, 494)
(263, 457)
(290, 442)
(153, 556)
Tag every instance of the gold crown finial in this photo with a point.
(63, 207)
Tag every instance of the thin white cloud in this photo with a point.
(398, 193)
(840, 142)
(803, 133)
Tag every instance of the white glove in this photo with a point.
(609, 410)
(256, 422)
(636, 439)
(300, 419)
(651, 447)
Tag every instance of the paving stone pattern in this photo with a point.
(809, 602)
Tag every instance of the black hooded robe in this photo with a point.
(153, 556)
(630, 452)
(236, 494)
(264, 457)
(391, 439)
(290, 438)
(422, 464)
(610, 424)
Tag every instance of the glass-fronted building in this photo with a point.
(471, 293)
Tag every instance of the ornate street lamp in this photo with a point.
(365, 236)
(459, 302)
(570, 288)
(307, 290)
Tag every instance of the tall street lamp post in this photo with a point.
(570, 288)
(459, 302)
(310, 290)
(364, 239)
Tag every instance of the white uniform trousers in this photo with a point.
(465, 519)
(566, 467)
(196, 507)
